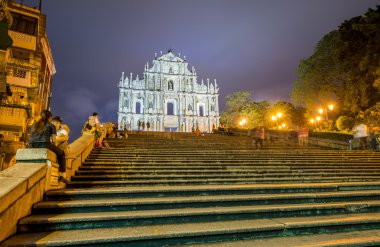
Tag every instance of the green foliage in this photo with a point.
(235, 104)
(241, 105)
(344, 123)
(255, 113)
(344, 68)
(371, 116)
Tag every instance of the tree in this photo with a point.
(371, 116)
(241, 105)
(256, 113)
(344, 123)
(345, 67)
(235, 103)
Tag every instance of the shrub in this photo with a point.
(331, 136)
(344, 123)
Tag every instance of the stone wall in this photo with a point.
(35, 172)
(20, 187)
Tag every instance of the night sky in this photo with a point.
(243, 44)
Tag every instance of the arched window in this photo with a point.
(170, 85)
(138, 108)
(170, 70)
(170, 108)
(201, 111)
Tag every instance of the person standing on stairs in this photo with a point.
(94, 122)
(43, 135)
(147, 126)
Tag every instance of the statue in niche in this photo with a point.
(151, 104)
(170, 86)
(189, 108)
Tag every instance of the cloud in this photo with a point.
(81, 103)
(109, 110)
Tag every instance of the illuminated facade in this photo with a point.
(27, 68)
(168, 97)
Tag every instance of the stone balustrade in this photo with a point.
(35, 172)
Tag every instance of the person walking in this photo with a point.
(260, 136)
(43, 135)
(303, 136)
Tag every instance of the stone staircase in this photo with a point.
(211, 190)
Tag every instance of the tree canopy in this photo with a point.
(241, 105)
(344, 68)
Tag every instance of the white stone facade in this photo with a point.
(169, 98)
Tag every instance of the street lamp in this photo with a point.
(321, 110)
(242, 122)
(276, 117)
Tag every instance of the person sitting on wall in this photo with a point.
(43, 135)
(63, 132)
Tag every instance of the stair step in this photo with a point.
(143, 182)
(167, 216)
(213, 176)
(150, 203)
(338, 239)
(185, 233)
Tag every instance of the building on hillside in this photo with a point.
(168, 98)
(26, 70)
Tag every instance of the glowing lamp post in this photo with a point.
(313, 122)
(317, 119)
(321, 110)
(276, 117)
(242, 122)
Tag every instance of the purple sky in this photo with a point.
(244, 44)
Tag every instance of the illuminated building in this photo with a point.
(168, 97)
(27, 68)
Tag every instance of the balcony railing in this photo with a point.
(14, 104)
(23, 40)
(20, 73)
